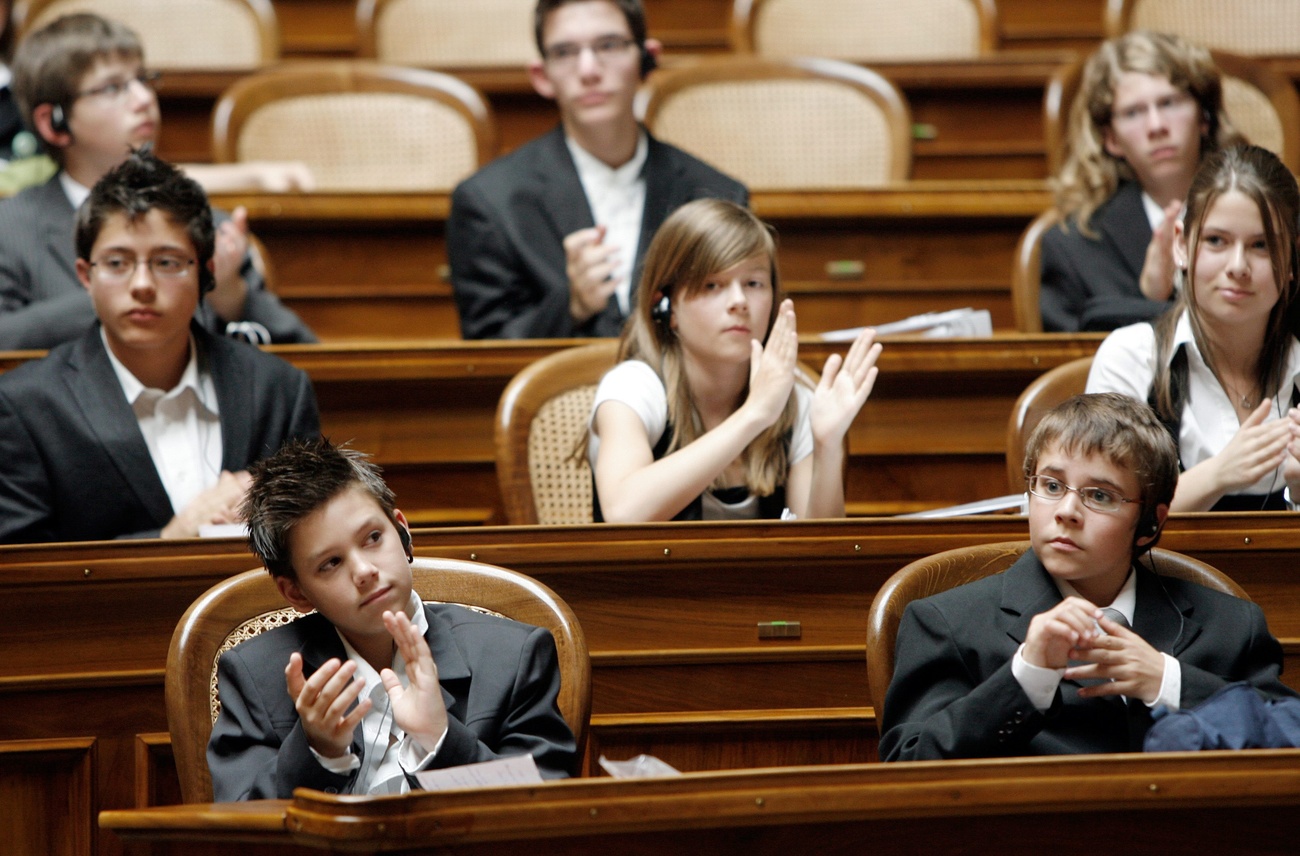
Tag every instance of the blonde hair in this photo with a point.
(1090, 174)
(1260, 176)
(696, 241)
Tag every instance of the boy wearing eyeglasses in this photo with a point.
(82, 87)
(547, 241)
(1026, 662)
(144, 425)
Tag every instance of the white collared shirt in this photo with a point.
(76, 192)
(382, 770)
(1040, 683)
(181, 427)
(616, 196)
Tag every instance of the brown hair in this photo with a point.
(1121, 429)
(298, 479)
(51, 62)
(1090, 174)
(1258, 174)
(632, 11)
(698, 240)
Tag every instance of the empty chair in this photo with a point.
(1251, 27)
(447, 33)
(800, 124)
(243, 606)
(358, 126)
(865, 30)
(210, 35)
(540, 420)
(1048, 390)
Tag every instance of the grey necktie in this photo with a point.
(1115, 615)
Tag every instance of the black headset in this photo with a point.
(662, 311)
(648, 62)
(405, 535)
(58, 119)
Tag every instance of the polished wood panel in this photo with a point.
(359, 267)
(671, 613)
(1212, 802)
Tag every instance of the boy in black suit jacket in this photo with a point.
(375, 685)
(546, 242)
(1025, 662)
(144, 425)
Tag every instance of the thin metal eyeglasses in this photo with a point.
(604, 49)
(115, 89)
(1097, 498)
(120, 268)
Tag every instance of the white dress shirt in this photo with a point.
(181, 427)
(383, 771)
(1040, 683)
(616, 196)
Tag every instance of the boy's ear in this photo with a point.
(292, 592)
(540, 80)
(1152, 526)
(53, 133)
(83, 273)
(404, 533)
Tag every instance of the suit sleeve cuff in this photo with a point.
(342, 765)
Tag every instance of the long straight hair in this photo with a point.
(698, 240)
(1258, 174)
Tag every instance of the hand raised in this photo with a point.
(1259, 447)
(590, 264)
(845, 384)
(322, 702)
(772, 367)
(1157, 279)
(418, 707)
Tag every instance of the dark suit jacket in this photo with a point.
(499, 678)
(1092, 283)
(953, 694)
(73, 463)
(507, 227)
(42, 304)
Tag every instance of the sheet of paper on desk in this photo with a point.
(939, 325)
(514, 770)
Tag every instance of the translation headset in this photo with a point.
(648, 62)
(405, 535)
(58, 119)
(662, 311)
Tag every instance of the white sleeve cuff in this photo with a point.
(1171, 685)
(411, 755)
(342, 765)
(1039, 683)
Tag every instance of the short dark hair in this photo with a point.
(294, 482)
(140, 184)
(632, 10)
(6, 30)
(50, 63)
(1125, 431)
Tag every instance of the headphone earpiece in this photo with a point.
(58, 119)
(405, 535)
(648, 62)
(662, 312)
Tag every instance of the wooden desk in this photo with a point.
(363, 266)
(1211, 802)
(670, 612)
(933, 433)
